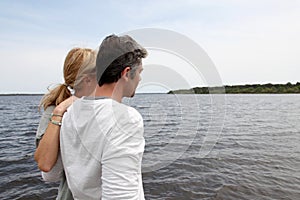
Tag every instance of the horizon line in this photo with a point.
(158, 92)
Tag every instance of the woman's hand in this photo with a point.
(61, 108)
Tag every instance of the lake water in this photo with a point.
(197, 147)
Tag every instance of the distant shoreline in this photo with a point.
(268, 88)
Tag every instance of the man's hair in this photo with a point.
(114, 55)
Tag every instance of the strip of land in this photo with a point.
(269, 88)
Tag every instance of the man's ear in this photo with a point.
(87, 79)
(125, 72)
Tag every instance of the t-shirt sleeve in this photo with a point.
(43, 124)
(121, 160)
(56, 173)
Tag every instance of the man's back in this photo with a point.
(102, 146)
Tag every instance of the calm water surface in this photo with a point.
(255, 156)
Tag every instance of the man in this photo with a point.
(102, 139)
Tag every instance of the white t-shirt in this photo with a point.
(102, 145)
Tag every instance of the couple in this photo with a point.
(95, 146)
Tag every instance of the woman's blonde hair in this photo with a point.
(78, 62)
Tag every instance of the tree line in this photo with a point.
(269, 88)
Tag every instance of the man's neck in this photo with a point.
(109, 90)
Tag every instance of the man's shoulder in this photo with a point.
(104, 108)
(134, 114)
(127, 112)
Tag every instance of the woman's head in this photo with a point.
(79, 63)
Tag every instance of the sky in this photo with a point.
(248, 41)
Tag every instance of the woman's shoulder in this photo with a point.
(49, 109)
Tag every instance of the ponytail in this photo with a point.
(55, 96)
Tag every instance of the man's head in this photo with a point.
(117, 57)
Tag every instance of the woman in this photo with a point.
(79, 75)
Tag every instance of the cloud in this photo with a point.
(30, 69)
(249, 41)
(259, 44)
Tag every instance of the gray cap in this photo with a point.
(112, 47)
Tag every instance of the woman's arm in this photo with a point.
(48, 148)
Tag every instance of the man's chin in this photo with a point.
(132, 95)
